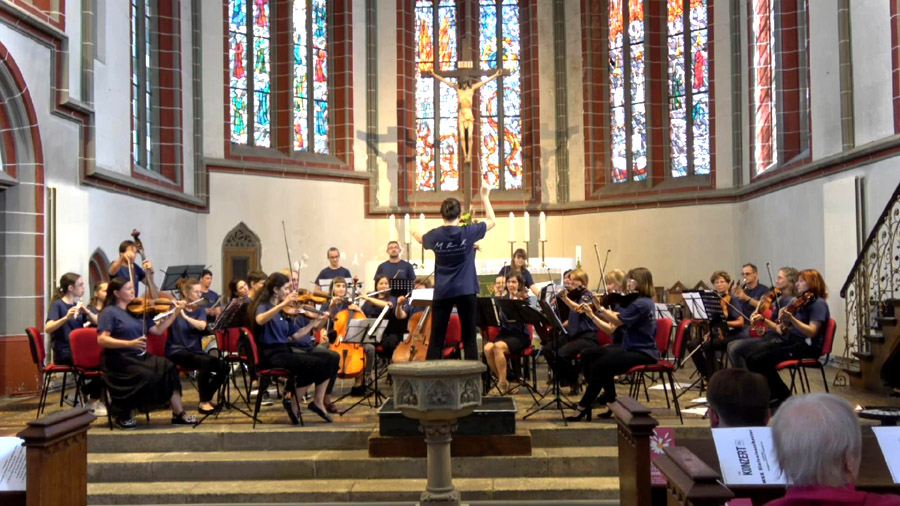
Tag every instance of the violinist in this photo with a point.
(134, 378)
(720, 333)
(125, 268)
(274, 332)
(638, 343)
(206, 279)
(513, 337)
(582, 331)
(802, 332)
(185, 348)
(404, 310)
(96, 303)
(781, 297)
(255, 282)
(305, 341)
(517, 266)
(615, 284)
(66, 314)
(334, 269)
(340, 301)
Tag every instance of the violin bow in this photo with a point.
(290, 264)
(602, 265)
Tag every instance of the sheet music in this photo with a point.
(12, 464)
(747, 456)
(662, 311)
(889, 441)
(695, 305)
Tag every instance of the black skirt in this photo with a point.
(143, 382)
(515, 343)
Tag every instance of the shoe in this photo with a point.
(97, 408)
(358, 391)
(606, 414)
(331, 408)
(581, 414)
(266, 399)
(288, 404)
(206, 411)
(125, 423)
(323, 415)
(183, 419)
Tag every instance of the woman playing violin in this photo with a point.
(184, 346)
(340, 301)
(739, 350)
(134, 378)
(513, 337)
(802, 332)
(720, 333)
(274, 332)
(238, 289)
(582, 331)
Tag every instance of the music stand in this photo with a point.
(487, 314)
(521, 311)
(705, 307)
(557, 402)
(176, 273)
(363, 332)
(401, 286)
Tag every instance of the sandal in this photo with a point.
(183, 419)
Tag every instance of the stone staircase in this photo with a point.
(329, 464)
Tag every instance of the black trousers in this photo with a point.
(608, 362)
(305, 368)
(441, 310)
(563, 360)
(211, 371)
(767, 358)
(332, 358)
(705, 358)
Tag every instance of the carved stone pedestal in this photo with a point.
(437, 393)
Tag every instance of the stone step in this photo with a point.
(346, 464)
(347, 490)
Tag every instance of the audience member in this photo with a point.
(738, 398)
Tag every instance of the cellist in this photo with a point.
(341, 303)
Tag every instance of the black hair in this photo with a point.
(205, 272)
(124, 245)
(115, 284)
(68, 279)
(450, 209)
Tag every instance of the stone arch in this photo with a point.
(98, 268)
(241, 253)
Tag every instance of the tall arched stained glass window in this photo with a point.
(763, 84)
(626, 88)
(310, 108)
(250, 68)
(688, 87)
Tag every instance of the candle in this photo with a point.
(422, 223)
(393, 228)
(578, 255)
(406, 230)
(512, 227)
(542, 222)
(527, 228)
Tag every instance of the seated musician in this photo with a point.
(517, 266)
(404, 310)
(720, 333)
(739, 350)
(638, 343)
(340, 301)
(125, 268)
(66, 314)
(513, 337)
(334, 269)
(206, 279)
(185, 348)
(803, 333)
(310, 322)
(134, 378)
(372, 308)
(751, 290)
(96, 303)
(582, 331)
(615, 283)
(273, 333)
(499, 288)
(238, 289)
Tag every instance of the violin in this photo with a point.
(758, 327)
(792, 308)
(148, 306)
(620, 299)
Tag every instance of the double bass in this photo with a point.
(151, 303)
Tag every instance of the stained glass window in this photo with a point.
(627, 80)
(763, 71)
(498, 149)
(310, 108)
(689, 149)
(250, 68)
(141, 84)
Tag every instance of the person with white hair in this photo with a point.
(818, 444)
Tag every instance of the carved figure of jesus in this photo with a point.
(465, 92)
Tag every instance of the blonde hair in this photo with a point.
(616, 276)
(579, 275)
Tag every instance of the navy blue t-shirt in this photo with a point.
(454, 258)
(754, 293)
(816, 311)
(139, 276)
(507, 269)
(404, 268)
(59, 338)
(329, 273)
(307, 341)
(183, 335)
(211, 296)
(579, 322)
(639, 318)
(279, 329)
(121, 325)
(372, 311)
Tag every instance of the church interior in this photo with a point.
(687, 137)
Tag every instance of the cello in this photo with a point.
(415, 347)
(353, 355)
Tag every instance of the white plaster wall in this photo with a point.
(722, 88)
(872, 88)
(824, 74)
(213, 64)
(112, 91)
(575, 100)
(547, 84)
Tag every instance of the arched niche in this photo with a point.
(241, 253)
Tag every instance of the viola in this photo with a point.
(800, 302)
(415, 347)
(726, 301)
(758, 327)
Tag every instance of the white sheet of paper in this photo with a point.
(695, 305)
(696, 411)
(659, 386)
(889, 441)
(426, 294)
(747, 456)
(12, 464)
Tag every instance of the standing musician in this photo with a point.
(638, 343)
(96, 303)
(499, 288)
(513, 337)
(582, 331)
(206, 279)
(124, 267)
(803, 332)
(395, 267)
(66, 314)
(455, 276)
(340, 301)
(372, 308)
(274, 332)
(739, 350)
(185, 348)
(517, 266)
(334, 269)
(134, 378)
(720, 333)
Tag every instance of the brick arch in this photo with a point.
(22, 193)
(98, 268)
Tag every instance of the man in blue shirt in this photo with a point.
(206, 278)
(125, 268)
(334, 269)
(395, 267)
(456, 282)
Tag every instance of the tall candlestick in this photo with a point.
(406, 230)
(512, 227)
(542, 222)
(393, 228)
(527, 237)
(578, 256)
(422, 223)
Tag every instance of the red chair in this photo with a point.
(662, 366)
(39, 356)
(604, 338)
(801, 365)
(453, 339)
(264, 375)
(156, 345)
(86, 354)
(227, 342)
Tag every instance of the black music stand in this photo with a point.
(401, 286)
(557, 402)
(705, 306)
(368, 331)
(176, 273)
(487, 314)
(520, 311)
